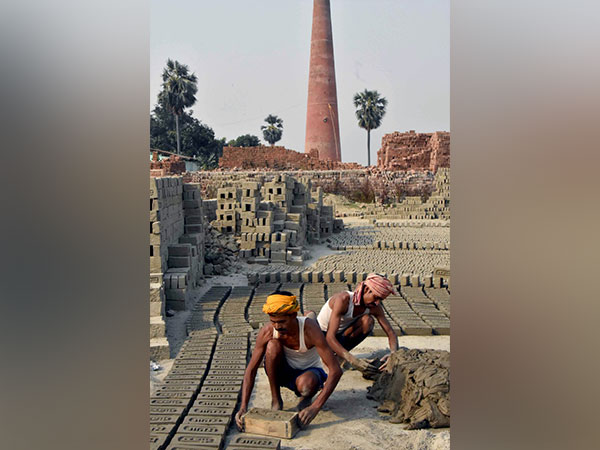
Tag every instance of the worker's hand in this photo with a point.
(385, 360)
(361, 364)
(239, 421)
(307, 415)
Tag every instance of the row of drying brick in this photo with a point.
(394, 245)
(195, 406)
(320, 276)
(408, 313)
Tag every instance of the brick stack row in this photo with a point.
(176, 252)
(274, 220)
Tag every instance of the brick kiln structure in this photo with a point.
(322, 128)
(414, 151)
(278, 158)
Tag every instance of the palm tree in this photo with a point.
(273, 131)
(370, 110)
(179, 90)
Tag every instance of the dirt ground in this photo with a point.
(349, 420)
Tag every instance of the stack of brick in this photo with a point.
(275, 219)
(326, 221)
(227, 209)
(176, 252)
(166, 225)
(313, 216)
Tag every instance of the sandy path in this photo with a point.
(349, 420)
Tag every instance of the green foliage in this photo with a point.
(245, 140)
(179, 91)
(370, 109)
(197, 139)
(179, 87)
(274, 130)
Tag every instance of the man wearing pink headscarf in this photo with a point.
(347, 319)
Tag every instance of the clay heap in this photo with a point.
(273, 220)
(415, 388)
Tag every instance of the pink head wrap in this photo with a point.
(380, 286)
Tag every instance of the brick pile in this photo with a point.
(414, 151)
(173, 165)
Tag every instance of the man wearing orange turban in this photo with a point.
(347, 319)
(293, 348)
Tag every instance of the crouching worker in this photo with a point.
(347, 319)
(293, 348)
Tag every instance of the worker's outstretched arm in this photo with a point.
(315, 338)
(391, 334)
(250, 374)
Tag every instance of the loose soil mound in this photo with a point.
(415, 388)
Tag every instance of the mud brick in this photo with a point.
(189, 383)
(178, 387)
(229, 357)
(191, 377)
(186, 440)
(189, 364)
(210, 412)
(158, 402)
(192, 447)
(229, 383)
(193, 345)
(158, 419)
(225, 378)
(186, 371)
(220, 389)
(202, 355)
(204, 424)
(220, 366)
(174, 394)
(415, 281)
(246, 441)
(157, 441)
(165, 428)
(227, 372)
(169, 410)
(218, 396)
(215, 404)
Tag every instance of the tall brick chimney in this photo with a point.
(322, 128)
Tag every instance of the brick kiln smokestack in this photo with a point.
(322, 128)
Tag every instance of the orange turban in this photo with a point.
(281, 304)
(380, 286)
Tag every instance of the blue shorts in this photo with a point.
(289, 376)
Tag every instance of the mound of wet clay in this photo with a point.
(415, 388)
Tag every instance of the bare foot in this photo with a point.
(277, 404)
(304, 403)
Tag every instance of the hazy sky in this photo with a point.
(251, 58)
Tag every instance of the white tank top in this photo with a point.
(325, 315)
(303, 358)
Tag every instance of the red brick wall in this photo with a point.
(173, 165)
(414, 151)
(280, 158)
